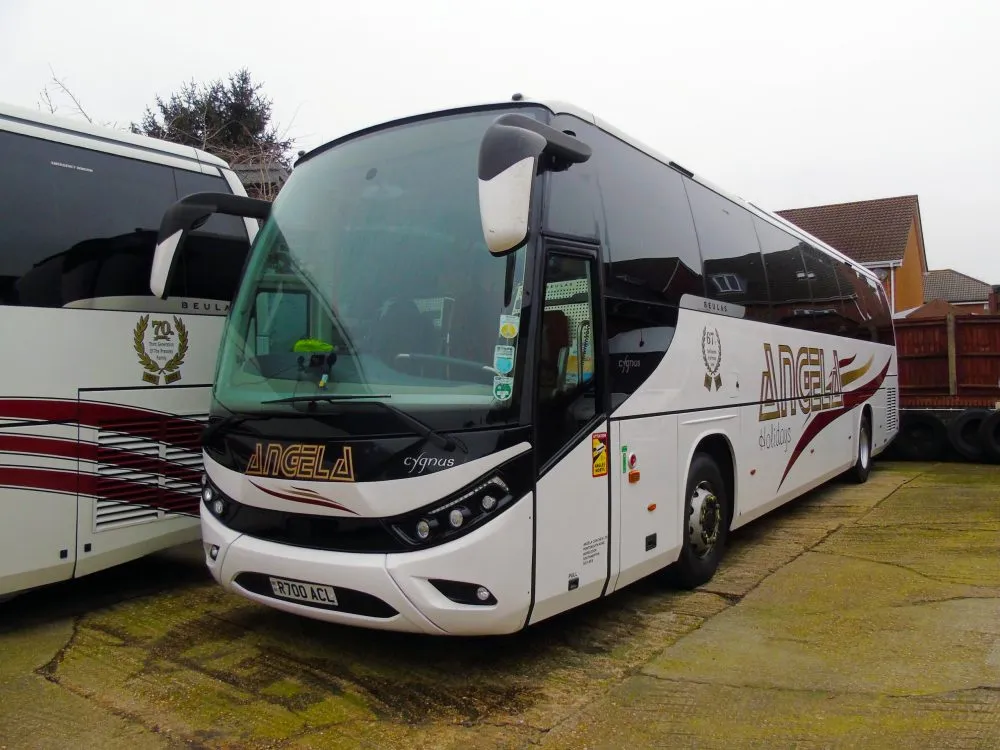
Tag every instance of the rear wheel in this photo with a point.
(707, 514)
(863, 458)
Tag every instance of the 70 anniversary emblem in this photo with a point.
(711, 354)
(161, 348)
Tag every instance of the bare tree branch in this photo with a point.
(65, 89)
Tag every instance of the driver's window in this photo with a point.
(567, 393)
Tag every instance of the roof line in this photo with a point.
(854, 202)
(958, 273)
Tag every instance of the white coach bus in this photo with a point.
(104, 388)
(488, 364)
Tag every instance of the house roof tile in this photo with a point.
(952, 286)
(866, 231)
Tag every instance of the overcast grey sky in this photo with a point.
(787, 103)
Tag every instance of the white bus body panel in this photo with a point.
(57, 479)
(577, 557)
(70, 371)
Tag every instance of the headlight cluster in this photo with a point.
(455, 517)
(213, 499)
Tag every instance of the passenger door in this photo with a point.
(572, 535)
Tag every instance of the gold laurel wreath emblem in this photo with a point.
(170, 368)
(712, 373)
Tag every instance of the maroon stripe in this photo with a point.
(846, 362)
(39, 479)
(46, 446)
(153, 425)
(105, 488)
(820, 421)
(308, 501)
(43, 446)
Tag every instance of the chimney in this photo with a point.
(993, 306)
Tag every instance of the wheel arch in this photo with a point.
(719, 447)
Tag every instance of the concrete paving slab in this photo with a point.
(834, 622)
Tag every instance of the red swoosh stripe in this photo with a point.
(62, 448)
(107, 488)
(852, 399)
(313, 499)
(177, 431)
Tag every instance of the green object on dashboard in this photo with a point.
(312, 345)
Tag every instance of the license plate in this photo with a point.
(304, 592)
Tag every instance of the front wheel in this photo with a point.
(706, 528)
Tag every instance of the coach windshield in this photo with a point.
(371, 281)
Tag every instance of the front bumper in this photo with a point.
(389, 592)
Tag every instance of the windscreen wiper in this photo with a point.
(419, 427)
(231, 420)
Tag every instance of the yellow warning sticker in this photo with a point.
(599, 445)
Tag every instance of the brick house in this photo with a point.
(883, 234)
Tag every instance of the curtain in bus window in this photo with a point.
(734, 271)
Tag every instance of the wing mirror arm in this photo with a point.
(187, 215)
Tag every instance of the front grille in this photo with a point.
(312, 531)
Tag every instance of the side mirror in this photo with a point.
(186, 215)
(514, 149)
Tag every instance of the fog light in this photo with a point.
(456, 518)
(204, 480)
(423, 529)
(482, 593)
(213, 551)
(489, 502)
(207, 494)
(218, 507)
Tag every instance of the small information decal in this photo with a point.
(592, 550)
(509, 326)
(503, 359)
(599, 445)
(503, 388)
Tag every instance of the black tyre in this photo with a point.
(863, 454)
(963, 434)
(707, 513)
(922, 437)
(989, 436)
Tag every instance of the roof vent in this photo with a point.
(517, 97)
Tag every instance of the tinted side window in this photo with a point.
(857, 302)
(826, 311)
(649, 229)
(787, 278)
(573, 205)
(196, 182)
(652, 255)
(734, 271)
(883, 320)
(78, 225)
(211, 260)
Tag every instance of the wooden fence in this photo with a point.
(949, 363)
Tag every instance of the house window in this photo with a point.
(726, 283)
